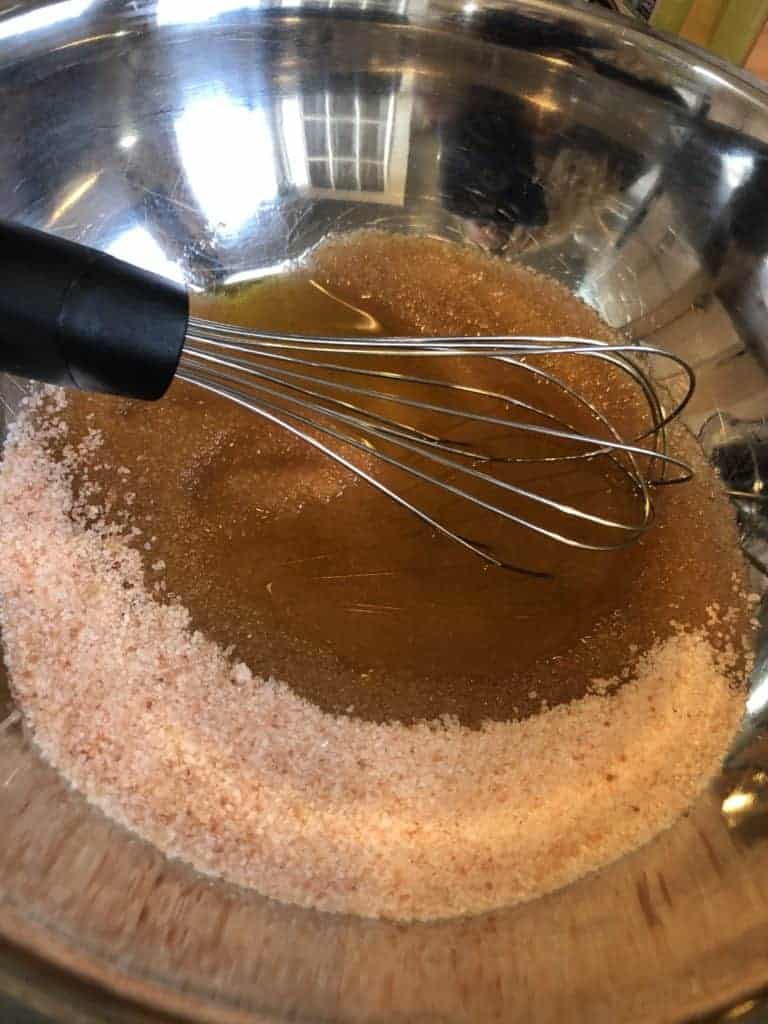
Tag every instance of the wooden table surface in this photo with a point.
(758, 59)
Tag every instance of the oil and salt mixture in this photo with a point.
(263, 666)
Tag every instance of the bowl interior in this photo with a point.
(216, 142)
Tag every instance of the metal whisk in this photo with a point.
(407, 406)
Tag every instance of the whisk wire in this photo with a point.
(468, 470)
(274, 414)
(287, 380)
(285, 377)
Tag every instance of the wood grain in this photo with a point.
(757, 62)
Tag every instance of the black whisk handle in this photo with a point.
(73, 316)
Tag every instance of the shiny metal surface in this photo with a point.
(301, 384)
(214, 140)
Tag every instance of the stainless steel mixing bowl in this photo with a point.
(212, 140)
